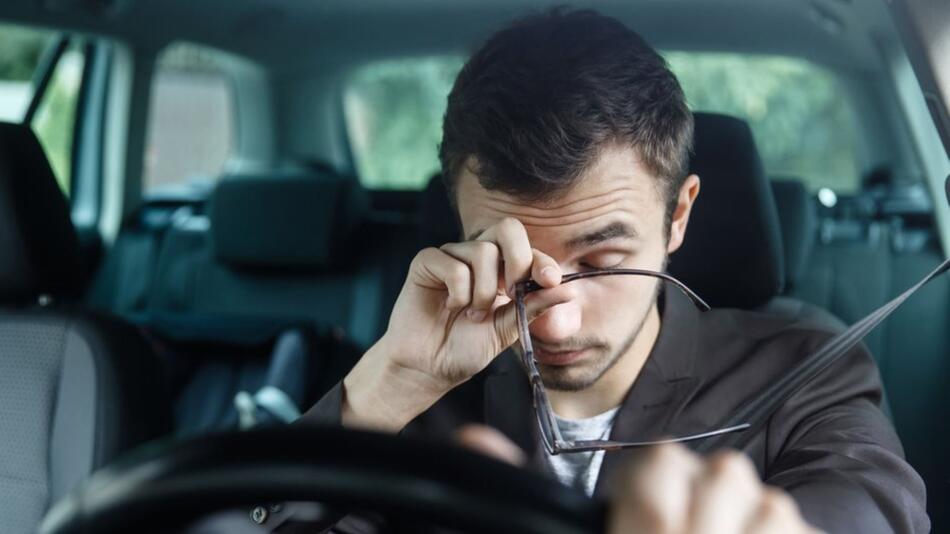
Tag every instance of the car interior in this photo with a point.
(207, 209)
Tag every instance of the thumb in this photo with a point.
(506, 317)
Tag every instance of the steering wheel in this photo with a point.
(170, 485)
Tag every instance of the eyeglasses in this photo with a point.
(554, 443)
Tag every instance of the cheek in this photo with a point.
(614, 305)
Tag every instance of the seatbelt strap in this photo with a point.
(758, 412)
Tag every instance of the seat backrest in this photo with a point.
(76, 388)
(278, 257)
(732, 254)
(275, 246)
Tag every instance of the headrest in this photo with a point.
(290, 222)
(732, 255)
(438, 223)
(799, 221)
(39, 248)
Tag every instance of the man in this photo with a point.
(565, 149)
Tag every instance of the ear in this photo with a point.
(684, 204)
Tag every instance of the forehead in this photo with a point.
(615, 188)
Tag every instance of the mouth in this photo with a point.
(558, 358)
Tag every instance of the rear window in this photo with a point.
(800, 117)
(191, 124)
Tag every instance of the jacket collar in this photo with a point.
(658, 394)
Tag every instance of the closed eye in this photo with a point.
(607, 261)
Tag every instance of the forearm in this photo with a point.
(383, 396)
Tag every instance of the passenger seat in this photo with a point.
(76, 388)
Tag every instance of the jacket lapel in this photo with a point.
(509, 406)
(660, 392)
(663, 388)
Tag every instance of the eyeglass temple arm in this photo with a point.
(531, 286)
(609, 445)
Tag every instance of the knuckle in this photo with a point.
(486, 252)
(519, 257)
(777, 503)
(484, 247)
(652, 519)
(731, 464)
(668, 454)
(458, 276)
(510, 224)
(425, 255)
(485, 296)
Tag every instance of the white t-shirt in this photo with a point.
(580, 469)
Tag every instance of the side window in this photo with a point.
(393, 113)
(801, 118)
(191, 120)
(21, 56)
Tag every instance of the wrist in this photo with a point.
(380, 394)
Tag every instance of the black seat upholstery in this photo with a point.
(280, 257)
(732, 255)
(274, 246)
(799, 221)
(76, 389)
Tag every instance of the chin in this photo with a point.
(570, 378)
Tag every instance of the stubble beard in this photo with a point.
(570, 378)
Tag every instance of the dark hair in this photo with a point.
(539, 100)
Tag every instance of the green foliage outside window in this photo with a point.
(21, 50)
(394, 116)
(798, 114)
(802, 124)
(55, 119)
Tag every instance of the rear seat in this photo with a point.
(853, 274)
(287, 246)
(281, 285)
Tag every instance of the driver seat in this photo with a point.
(76, 388)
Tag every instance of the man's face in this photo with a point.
(612, 218)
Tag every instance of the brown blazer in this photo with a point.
(830, 445)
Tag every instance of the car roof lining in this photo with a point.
(290, 35)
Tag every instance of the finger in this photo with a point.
(512, 240)
(490, 442)
(506, 317)
(483, 258)
(726, 494)
(653, 491)
(777, 512)
(544, 270)
(435, 269)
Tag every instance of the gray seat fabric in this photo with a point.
(731, 257)
(76, 388)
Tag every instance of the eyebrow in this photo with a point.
(614, 230)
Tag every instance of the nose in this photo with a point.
(559, 323)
